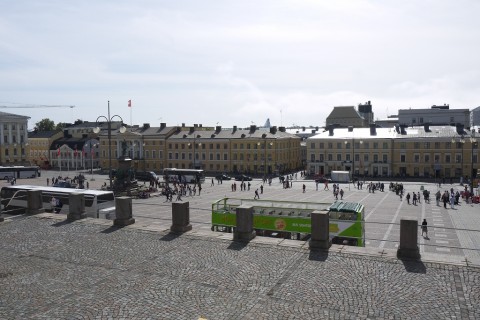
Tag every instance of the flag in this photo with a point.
(58, 152)
(129, 103)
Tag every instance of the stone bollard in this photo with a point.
(123, 212)
(76, 206)
(408, 247)
(320, 238)
(180, 217)
(34, 202)
(244, 224)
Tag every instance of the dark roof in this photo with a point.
(42, 134)
(11, 115)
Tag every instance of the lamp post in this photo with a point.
(109, 124)
(473, 142)
(91, 158)
(194, 149)
(462, 142)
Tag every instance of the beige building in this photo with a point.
(13, 139)
(423, 151)
(39, 143)
(215, 150)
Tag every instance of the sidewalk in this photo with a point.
(52, 269)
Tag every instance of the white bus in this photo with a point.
(19, 172)
(98, 203)
(184, 175)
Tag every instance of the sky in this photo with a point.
(235, 62)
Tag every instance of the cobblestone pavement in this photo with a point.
(53, 269)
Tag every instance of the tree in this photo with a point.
(60, 126)
(45, 125)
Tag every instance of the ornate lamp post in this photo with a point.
(109, 119)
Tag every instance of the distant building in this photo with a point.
(13, 139)
(435, 116)
(347, 116)
(39, 147)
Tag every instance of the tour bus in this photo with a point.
(184, 175)
(19, 172)
(98, 203)
(289, 218)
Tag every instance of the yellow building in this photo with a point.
(39, 143)
(423, 152)
(215, 150)
(13, 139)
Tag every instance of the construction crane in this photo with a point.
(36, 106)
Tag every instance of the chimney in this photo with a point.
(200, 125)
(183, 124)
(146, 125)
(273, 130)
(281, 129)
(195, 125)
(234, 129)
(330, 130)
(163, 125)
(402, 129)
(373, 129)
(192, 129)
(218, 129)
(253, 128)
(303, 128)
(350, 128)
(426, 127)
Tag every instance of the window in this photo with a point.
(312, 145)
(437, 145)
(330, 145)
(385, 158)
(330, 157)
(402, 158)
(347, 157)
(339, 145)
(367, 145)
(321, 158)
(312, 158)
(375, 158)
(339, 157)
(375, 145)
(403, 145)
(211, 156)
(447, 158)
(385, 145)
(426, 158)
(225, 156)
(170, 156)
(426, 145)
(176, 155)
(448, 145)
(416, 145)
(365, 157)
(458, 158)
(416, 158)
(322, 145)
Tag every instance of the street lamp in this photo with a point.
(109, 124)
(264, 136)
(91, 158)
(462, 142)
(473, 142)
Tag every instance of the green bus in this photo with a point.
(286, 218)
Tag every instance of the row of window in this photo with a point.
(403, 158)
(385, 145)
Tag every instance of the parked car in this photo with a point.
(145, 175)
(323, 179)
(223, 177)
(243, 177)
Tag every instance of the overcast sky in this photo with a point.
(236, 62)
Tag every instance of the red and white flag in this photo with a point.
(58, 152)
(129, 103)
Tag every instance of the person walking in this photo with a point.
(213, 183)
(424, 228)
(438, 195)
(256, 195)
(408, 198)
(261, 189)
(341, 194)
(414, 199)
(304, 187)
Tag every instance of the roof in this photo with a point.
(42, 134)
(393, 133)
(7, 116)
(232, 134)
(344, 112)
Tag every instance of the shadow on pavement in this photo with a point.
(414, 266)
(62, 223)
(318, 255)
(237, 245)
(111, 229)
(170, 236)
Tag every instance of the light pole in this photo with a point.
(194, 148)
(109, 124)
(473, 142)
(91, 158)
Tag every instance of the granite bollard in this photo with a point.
(123, 212)
(320, 238)
(408, 247)
(76, 206)
(244, 224)
(34, 202)
(180, 217)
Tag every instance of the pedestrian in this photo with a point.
(424, 228)
(88, 185)
(418, 197)
(48, 181)
(438, 195)
(212, 184)
(304, 187)
(256, 195)
(326, 185)
(261, 189)
(249, 185)
(341, 194)
(408, 198)
(414, 199)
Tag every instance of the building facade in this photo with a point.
(39, 143)
(13, 139)
(422, 151)
(435, 116)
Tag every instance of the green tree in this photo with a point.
(60, 126)
(45, 125)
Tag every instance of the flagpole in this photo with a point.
(130, 105)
